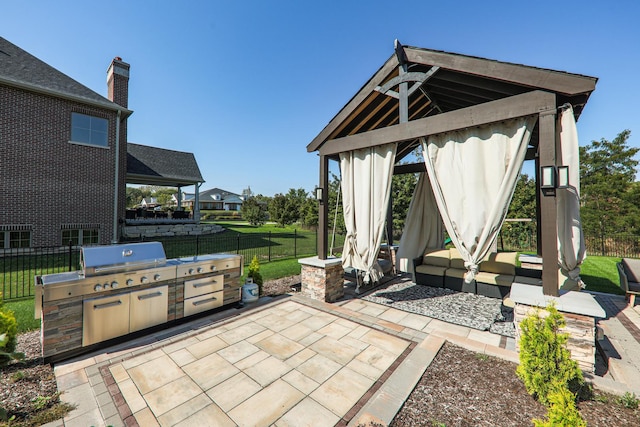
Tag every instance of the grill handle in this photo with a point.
(147, 296)
(107, 305)
(203, 301)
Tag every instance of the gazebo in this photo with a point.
(420, 94)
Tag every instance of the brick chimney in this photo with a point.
(118, 82)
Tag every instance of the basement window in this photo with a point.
(89, 130)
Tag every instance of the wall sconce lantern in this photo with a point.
(552, 177)
(548, 178)
(563, 177)
(319, 193)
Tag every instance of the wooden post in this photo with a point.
(548, 208)
(323, 208)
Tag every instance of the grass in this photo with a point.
(600, 274)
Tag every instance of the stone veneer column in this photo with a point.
(322, 279)
(580, 311)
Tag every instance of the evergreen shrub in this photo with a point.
(253, 271)
(545, 362)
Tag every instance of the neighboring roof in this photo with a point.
(158, 166)
(451, 82)
(226, 196)
(21, 69)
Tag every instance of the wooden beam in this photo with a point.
(548, 208)
(541, 78)
(323, 209)
(489, 112)
(409, 168)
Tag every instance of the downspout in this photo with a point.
(115, 239)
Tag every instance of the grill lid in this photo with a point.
(97, 260)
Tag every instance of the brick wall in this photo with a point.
(48, 181)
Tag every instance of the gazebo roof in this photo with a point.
(441, 82)
(158, 166)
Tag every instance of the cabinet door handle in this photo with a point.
(199, 285)
(147, 296)
(204, 301)
(107, 305)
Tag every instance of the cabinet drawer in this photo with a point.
(203, 303)
(205, 285)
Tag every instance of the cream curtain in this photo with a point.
(473, 173)
(423, 226)
(366, 186)
(571, 246)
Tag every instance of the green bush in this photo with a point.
(8, 333)
(253, 271)
(562, 410)
(545, 362)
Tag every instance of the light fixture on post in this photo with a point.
(319, 193)
(563, 177)
(548, 180)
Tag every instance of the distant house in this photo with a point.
(149, 203)
(214, 199)
(64, 156)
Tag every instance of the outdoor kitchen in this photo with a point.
(123, 289)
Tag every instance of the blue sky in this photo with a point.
(246, 85)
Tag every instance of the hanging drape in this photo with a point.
(423, 226)
(571, 246)
(473, 173)
(366, 186)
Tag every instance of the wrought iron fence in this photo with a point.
(20, 266)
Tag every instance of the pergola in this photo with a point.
(420, 92)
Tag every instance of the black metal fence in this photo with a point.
(20, 266)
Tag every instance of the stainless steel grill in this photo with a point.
(121, 289)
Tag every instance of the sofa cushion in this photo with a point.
(456, 272)
(494, 278)
(437, 257)
(433, 270)
(632, 268)
(456, 260)
(500, 263)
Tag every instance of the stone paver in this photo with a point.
(292, 362)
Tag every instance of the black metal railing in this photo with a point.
(21, 265)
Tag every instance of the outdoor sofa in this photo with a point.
(496, 273)
(629, 272)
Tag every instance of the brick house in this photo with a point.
(63, 151)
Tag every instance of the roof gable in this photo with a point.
(21, 69)
(441, 82)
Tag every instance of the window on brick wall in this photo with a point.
(15, 239)
(89, 130)
(78, 237)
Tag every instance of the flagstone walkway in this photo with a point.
(290, 361)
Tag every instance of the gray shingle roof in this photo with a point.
(20, 68)
(159, 166)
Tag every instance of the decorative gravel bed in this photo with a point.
(460, 308)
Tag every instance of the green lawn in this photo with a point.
(600, 274)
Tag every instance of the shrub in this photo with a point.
(562, 410)
(629, 400)
(8, 333)
(545, 362)
(253, 271)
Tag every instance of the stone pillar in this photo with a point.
(322, 279)
(580, 311)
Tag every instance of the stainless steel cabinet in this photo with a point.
(105, 318)
(148, 308)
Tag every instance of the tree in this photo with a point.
(254, 211)
(608, 190)
(402, 187)
(523, 206)
(309, 213)
(282, 210)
